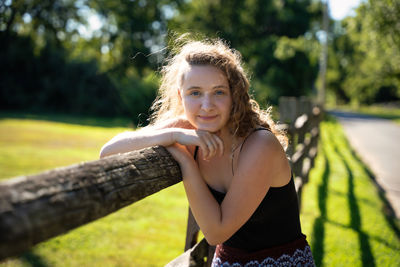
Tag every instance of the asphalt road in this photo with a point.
(377, 142)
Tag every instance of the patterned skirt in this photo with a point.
(295, 253)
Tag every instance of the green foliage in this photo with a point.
(111, 70)
(261, 31)
(137, 94)
(133, 28)
(108, 73)
(48, 81)
(365, 63)
(44, 20)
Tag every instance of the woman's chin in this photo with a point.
(208, 128)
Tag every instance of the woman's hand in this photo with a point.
(209, 143)
(182, 156)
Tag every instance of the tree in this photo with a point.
(365, 67)
(40, 41)
(45, 20)
(259, 30)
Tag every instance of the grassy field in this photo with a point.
(342, 212)
(148, 233)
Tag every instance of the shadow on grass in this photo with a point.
(318, 233)
(31, 259)
(71, 119)
(355, 216)
(388, 210)
(376, 238)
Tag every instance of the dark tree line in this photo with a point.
(48, 63)
(49, 81)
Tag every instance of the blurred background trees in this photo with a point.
(364, 61)
(274, 37)
(101, 57)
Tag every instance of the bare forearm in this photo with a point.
(205, 208)
(129, 141)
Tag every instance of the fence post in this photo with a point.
(287, 115)
(303, 119)
(192, 231)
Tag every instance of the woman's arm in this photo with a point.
(153, 135)
(166, 134)
(135, 140)
(262, 163)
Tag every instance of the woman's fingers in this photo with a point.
(212, 147)
(212, 144)
(220, 146)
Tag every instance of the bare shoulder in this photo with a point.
(263, 151)
(262, 164)
(263, 141)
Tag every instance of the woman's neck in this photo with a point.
(230, 142)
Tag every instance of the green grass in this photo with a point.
(342, 211)
(69, 119)
(148, 233)
(341, 207)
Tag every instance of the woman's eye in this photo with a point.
(195, 93)
(219, 92)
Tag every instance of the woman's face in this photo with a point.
(206, 97)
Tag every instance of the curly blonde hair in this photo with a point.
(246, 114)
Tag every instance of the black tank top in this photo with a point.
(275, 221)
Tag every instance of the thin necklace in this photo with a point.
(233, 149)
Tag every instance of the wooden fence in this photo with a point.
(38, 207)
(301, 118)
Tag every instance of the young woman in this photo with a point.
(235, 172)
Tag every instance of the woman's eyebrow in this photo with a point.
(220, 86)
(195, 87)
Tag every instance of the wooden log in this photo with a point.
(301, 121)
(298, 182)
(288, 109)
(194, 257)
(306, 169)
(291, 139)
(38, 207)
(312, 155)
(210, 256)
(304, 105)
(192, 231)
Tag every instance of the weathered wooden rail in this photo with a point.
(38, 207)
(301, 118)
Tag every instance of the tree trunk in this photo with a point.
(38, 207)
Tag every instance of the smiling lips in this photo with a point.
(208, 118)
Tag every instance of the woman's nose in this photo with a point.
(207, 103)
